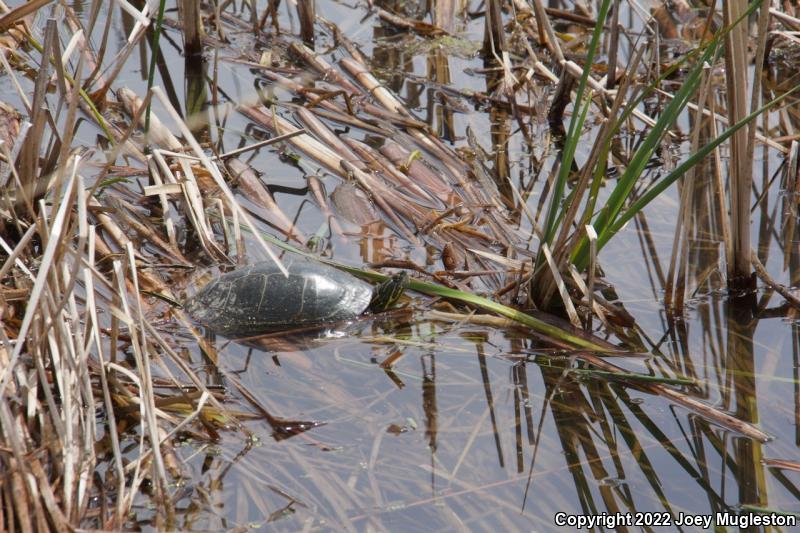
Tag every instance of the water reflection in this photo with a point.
(196, 97)
(428, 425)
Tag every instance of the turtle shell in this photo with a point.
(259, 298)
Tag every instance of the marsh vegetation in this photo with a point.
(597, 203)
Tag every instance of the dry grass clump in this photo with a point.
(78, 347)
(78, 350)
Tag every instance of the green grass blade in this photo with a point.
(610, 212)
(645, 152)
(681, 169)
(574, 133)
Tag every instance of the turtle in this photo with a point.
(259, 298)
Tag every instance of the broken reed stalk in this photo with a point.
(740, 170)
(762, 273)
(192, 21)
(494, 35)
(422, 28)
(547, 36)
(444, 15)
(307, 13)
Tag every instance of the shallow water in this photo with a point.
(475, 427)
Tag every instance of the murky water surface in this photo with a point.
(472, 427)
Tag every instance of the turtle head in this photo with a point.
(388, 292)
